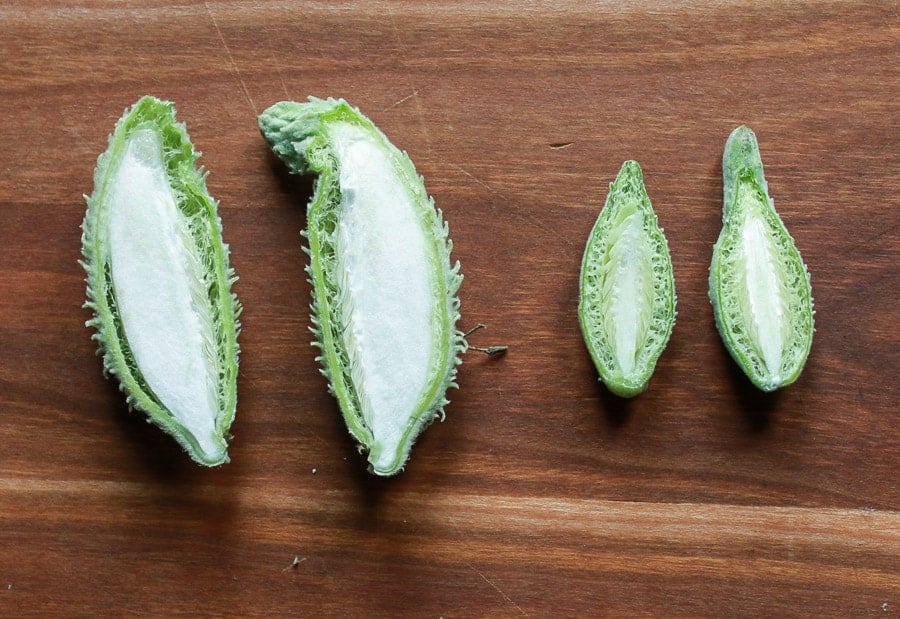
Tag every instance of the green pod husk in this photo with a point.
(626, 305)
(159, 282)
(759, 286)
(385, 303)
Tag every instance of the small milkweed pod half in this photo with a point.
(759, 286)
(626, 304)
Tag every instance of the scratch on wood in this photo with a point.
(420, 113)
(234, 66)
(414, 93)
(560, 145)
(506, 598)
(297, 561)
(529, 218)
(476, 179)
(274, 61)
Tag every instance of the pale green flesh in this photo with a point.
(765, 305)
(381, 251)
(629, 283)
(160, 292)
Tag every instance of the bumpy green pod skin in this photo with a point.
(385, 303)
(626, 304)
(759, 286)
(159, 282)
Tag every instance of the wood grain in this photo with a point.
(541, 494)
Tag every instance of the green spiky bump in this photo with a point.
(384, 288)
(758, 285)
(627, 295)
(159, 283)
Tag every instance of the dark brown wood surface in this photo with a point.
(541, 494)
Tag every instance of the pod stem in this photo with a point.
(490, 351)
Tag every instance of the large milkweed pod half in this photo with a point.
(159, 282)
(385, 303)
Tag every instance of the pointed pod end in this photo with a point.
(630, 171)
(629, 181)
(630, 167)
(291, 127)
(211, 460)
(385, 462)
(742, 141)
(740, 157)
(741, 151)
(211, 451)
(626, 389)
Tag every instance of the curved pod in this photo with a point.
(385, 305)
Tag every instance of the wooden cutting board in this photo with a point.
(541, 494)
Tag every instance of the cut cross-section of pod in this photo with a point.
(159, 282)
(384, 287)
(627, 295)
(758, 285)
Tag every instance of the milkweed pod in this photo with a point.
(159, 282)
(758, 284)
(626, 303)
(385, 302)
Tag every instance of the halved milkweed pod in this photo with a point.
(159, 283)
(626, 305)
(758, 285)
(384, 288)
